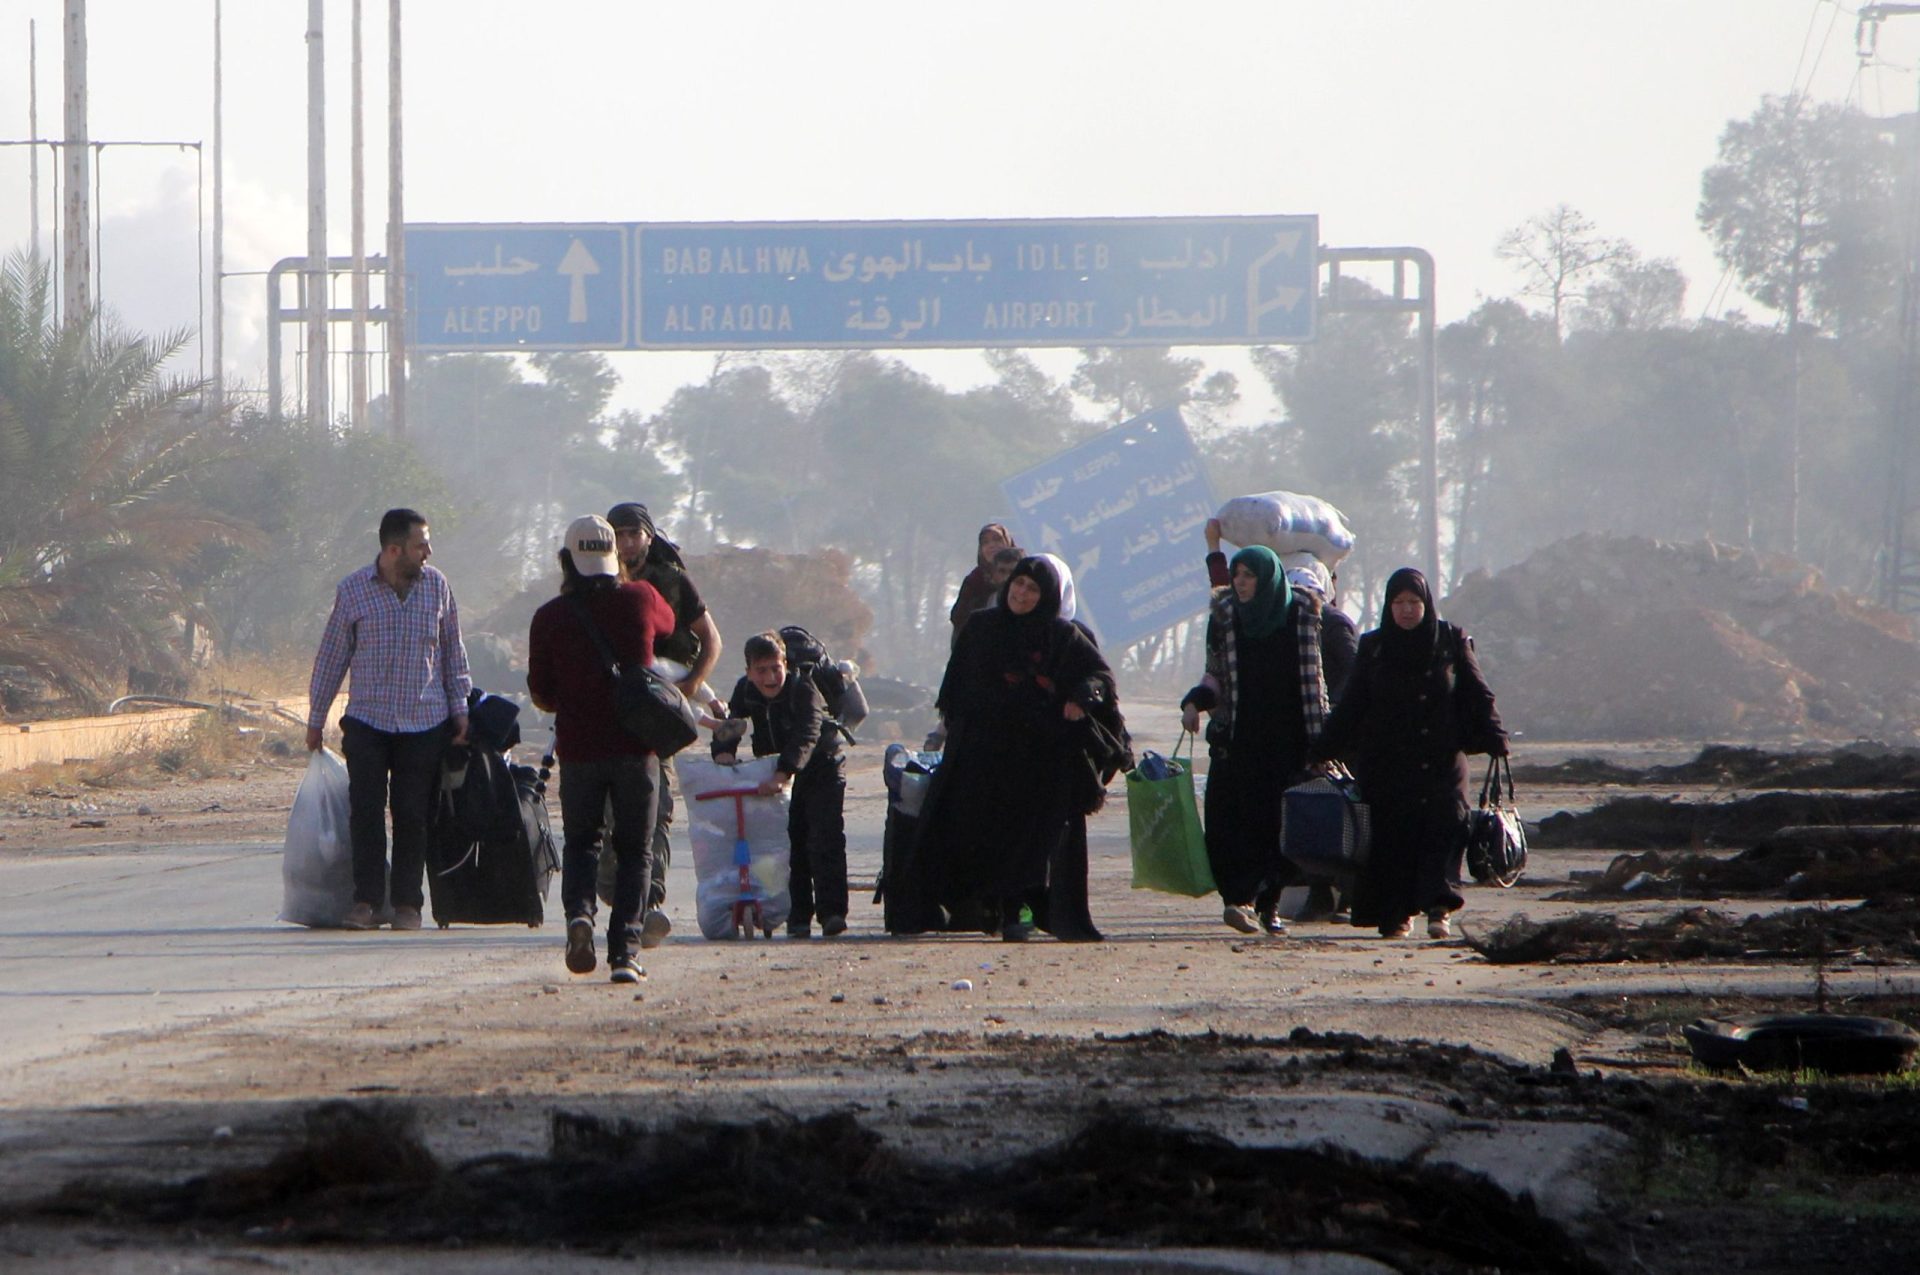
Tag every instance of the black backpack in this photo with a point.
(846, 703)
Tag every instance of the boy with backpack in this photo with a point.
(787, 712)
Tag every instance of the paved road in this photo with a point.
(120, 939)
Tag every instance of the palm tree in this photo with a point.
(98, 447)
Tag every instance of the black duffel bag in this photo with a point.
(647, 706)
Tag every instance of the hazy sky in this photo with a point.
(1438, 123)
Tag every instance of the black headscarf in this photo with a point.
(629, 514)
(1041, 572)
(1409, 647)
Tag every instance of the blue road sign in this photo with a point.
(1127, 511)
(519, 287)
(870, 284)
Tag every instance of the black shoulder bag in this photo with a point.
(647, 706)
(1496, 838)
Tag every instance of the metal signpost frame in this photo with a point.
(1420, 304)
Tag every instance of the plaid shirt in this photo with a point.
(409, 665)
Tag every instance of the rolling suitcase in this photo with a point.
(491, 855)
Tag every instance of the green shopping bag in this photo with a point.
(1163, 820)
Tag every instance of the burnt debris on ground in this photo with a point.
(361, 1176)
(1730, 766)
(1840, 863)
(1880, 931)
(1736, 1174)
(1658, 823)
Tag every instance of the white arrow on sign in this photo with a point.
(1049, 539)
(577, 265)
(1284, 298)
(1088, 561)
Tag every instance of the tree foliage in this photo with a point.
(99, 525)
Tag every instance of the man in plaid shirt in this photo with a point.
(395, 626)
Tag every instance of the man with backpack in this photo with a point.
(787, 710)
(693, 642)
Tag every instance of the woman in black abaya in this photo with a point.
(1016, 699)
(1414, 706)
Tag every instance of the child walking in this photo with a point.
(789, 718)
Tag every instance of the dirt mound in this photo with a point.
(1871, 932)
(1619, 637)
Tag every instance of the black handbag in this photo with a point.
(647, 706)
(1496, 838)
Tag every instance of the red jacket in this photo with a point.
(564, 668)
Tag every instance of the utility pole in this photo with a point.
(357, 369)
(317, 277)
(219, 229)
(33, 138)
(1899, 582)
(396, 238)
(76, 260)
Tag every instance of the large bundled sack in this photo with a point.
(731, 831)
(316, 869)
(1287, 522)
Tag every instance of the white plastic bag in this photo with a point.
(1287, 522)
(316, 869)
(714, 828)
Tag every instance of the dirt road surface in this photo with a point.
(157, 1025)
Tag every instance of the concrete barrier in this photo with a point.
(71, 739)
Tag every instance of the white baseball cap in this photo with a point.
(590, 541)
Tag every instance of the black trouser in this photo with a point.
(817, 838)
(403, 766)
(662, 849)
(663, 817)
(1243, 826)
(587, 789)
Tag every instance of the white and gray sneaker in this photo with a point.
(1240, 917)
(627, 970)
(655, 929)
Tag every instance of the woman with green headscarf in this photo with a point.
(1267, 697)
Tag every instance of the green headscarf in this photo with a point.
(1263, 616)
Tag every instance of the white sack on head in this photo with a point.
(1287, 522)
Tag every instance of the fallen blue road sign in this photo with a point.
(1127, 511)
(519, 287)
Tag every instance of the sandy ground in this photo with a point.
(953, 1048)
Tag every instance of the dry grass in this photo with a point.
(215, 746)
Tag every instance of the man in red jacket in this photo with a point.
(601, 765)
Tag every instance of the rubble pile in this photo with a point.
(1618, 637)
